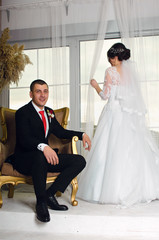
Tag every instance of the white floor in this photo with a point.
(85, 221)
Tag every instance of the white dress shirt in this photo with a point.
(42, 145)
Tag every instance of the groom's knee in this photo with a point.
(80, 161)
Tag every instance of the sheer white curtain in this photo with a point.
(41, 26)
(103, 21)
(138, 23)
(88, 91)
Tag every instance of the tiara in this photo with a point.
(116, 50)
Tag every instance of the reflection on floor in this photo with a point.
(86, 221)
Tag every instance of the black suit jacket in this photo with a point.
(30, 131)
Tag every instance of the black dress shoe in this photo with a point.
(53, 204)
(42, 212)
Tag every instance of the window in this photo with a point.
(44, 61)
(86, 56)
(147, 63)
(69, 87)
(149, 86)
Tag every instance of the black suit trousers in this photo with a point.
(70, 165)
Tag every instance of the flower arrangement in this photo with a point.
(12, 60)
(50, 114)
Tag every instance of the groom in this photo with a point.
(34, 157)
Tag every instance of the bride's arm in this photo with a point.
(95, 85)
(105, 93)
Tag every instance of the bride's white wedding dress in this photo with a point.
(123, 164)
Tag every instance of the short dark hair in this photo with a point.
(37, 81)
(119, 50)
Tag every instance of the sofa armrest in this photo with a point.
(74, 146)
(3, 153)
(64, 146)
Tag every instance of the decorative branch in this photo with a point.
(12, 61)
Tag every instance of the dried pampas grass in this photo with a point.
(12, 61)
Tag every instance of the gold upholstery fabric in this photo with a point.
(8, 170)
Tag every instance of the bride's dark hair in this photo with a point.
(119, 50)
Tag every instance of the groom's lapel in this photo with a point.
(45, 108)
(34, 115)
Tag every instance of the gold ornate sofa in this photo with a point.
(10, 176)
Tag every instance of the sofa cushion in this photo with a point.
(8, 170)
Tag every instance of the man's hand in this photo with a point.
(50, 155)
(86, 140)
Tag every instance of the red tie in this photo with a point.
(43, 119)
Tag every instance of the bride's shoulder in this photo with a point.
(111, 70)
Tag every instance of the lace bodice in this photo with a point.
(111, 81)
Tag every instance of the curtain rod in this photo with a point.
(46, 3)
(42, 3)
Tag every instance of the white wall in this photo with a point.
(78, 12)
(82, 17)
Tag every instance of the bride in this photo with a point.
(123, 164)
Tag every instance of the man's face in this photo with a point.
(40, 95)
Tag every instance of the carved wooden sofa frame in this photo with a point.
(10, 176)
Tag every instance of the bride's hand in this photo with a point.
(93, 83)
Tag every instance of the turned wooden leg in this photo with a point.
(74, 191)
(10, 191)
